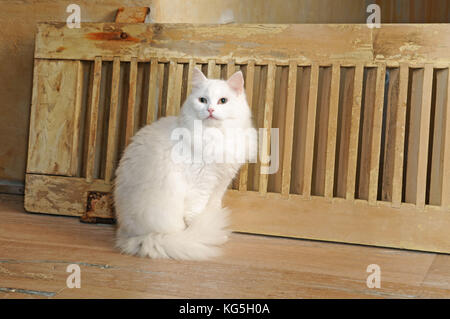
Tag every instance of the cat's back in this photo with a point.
(150, 144)
(157, 131)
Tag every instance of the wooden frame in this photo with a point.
(363, 117)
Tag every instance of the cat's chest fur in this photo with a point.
(213, 164)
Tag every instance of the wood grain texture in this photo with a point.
(112, 124)
(354, 132)
(52, 125)
(267, 124)
(422, 162)
(407, 227)
(376, 134)
(39, 248)
(445, 199)
(397, 178)
(249, 85)
(93, 118)
(310, 130)
(131, 122)
(152, 105)
(332, 131)
(413, 137)
(268, 41)
(132, 14)
(437, 137)
(289, 129)
(76, 147)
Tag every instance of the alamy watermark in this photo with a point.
(230, 146)
(73, 20)
(374, 279)
(74, 279)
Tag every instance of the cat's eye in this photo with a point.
(223, 100)
(202, 100)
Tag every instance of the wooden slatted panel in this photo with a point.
(424, 136)
(354, 132)
(152, 104)
(289, 129)
(268, 112)
(130, 127)
(93, 116)
(249, 82)
(112, 126)
(332, 131)
(309, 143)
(445, 196)
(397, 178)
(376, 134)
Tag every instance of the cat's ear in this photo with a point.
(198, 78)
(236, 82)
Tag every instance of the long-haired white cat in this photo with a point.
(168, 208)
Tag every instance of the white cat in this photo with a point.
(168, 208)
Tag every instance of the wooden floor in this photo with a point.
(35, 251)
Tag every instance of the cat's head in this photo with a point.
(216, 102)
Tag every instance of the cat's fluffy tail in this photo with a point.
(199, 241)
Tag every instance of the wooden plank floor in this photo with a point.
(35, 251)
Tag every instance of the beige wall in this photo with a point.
(18, 20)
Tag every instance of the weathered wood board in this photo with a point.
(363, 118)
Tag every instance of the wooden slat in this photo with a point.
(354, 132)
(332, 131)
(93, 117)
(289, 129)
(174, 88)
(268, 112)
(354, 42)
(414, 109)
(309, 142)
(249, 82)
(388, 137)
(376, 134)
(437, 136)
(33, 112)
(77, 120)
(152, 102)
(445, 197)
(231, 69)
(129, 131)
(213, 70)
(397, 176)
(160, 86)
(112, 126)
(191, 66)
(424, 136)
(178, 86)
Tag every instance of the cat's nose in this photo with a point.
(210, 110)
